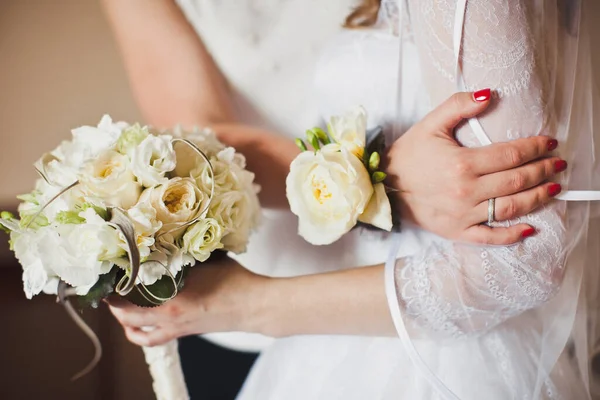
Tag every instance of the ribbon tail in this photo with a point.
(63, 299)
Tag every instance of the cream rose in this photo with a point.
(202, 238)
(145, 223)
(328, 191)
(109, 178)
(177, 201)
(152, 159)
(350, 130)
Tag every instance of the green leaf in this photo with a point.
(69, 217)
(101, 290)
(161, 288)
(39, 222)
(28, 198)
(102, 212)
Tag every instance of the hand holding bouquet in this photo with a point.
(121, 209)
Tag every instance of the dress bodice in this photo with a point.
(267, 50)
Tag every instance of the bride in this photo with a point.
(470, 319)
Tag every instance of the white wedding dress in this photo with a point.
(476, 318)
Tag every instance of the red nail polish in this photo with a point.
(554, 189)
(560, 166)
(527, 232)
(482, 95)
(552, 144)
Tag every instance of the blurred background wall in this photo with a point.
(59, 68)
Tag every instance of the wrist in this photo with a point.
(253, 309)
(262, 307)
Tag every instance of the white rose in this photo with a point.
(145, 223)
(235, 205)
(245, 215)
(177, 201)
(328, 191)
(152, 159)
(202, 238)
(109, 178)
(187, 158)
(350, 130)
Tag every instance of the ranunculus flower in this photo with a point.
(202, 238)
(152, 159)
(109, 178)
(350, 130)
(328, 191)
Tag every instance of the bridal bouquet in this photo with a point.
(121, 209)
(338, 184)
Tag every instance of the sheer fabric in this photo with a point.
(535, 56)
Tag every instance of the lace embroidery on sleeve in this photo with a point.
(455, 289)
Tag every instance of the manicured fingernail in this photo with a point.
(552, 144)
(560, 166)
(482, 95)
(554, 189)
(527, 232)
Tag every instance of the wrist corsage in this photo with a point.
(338, 183)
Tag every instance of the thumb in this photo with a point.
(463, 105)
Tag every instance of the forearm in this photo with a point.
(348, 302)
(172, 76)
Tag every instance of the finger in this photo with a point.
(502, 156)
(130, 315)
(518, 205)
(445, 117)
(516, 180)
(483, 234)
(152, 338)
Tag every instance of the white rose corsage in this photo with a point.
(337, 184)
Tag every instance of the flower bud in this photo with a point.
(312, 139)
(321, 135)
(300, 143)
(374, 161)
(378, 176)
(6, 215)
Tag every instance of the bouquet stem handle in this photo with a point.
(165, 369)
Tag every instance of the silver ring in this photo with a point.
(491, 210)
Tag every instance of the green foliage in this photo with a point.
(162, 288)
(69, 217)
(101, 290)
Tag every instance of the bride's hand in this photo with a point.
(444, 188)
(218, 296)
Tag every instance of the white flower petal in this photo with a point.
(378, 212)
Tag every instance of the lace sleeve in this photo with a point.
(457, 289)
